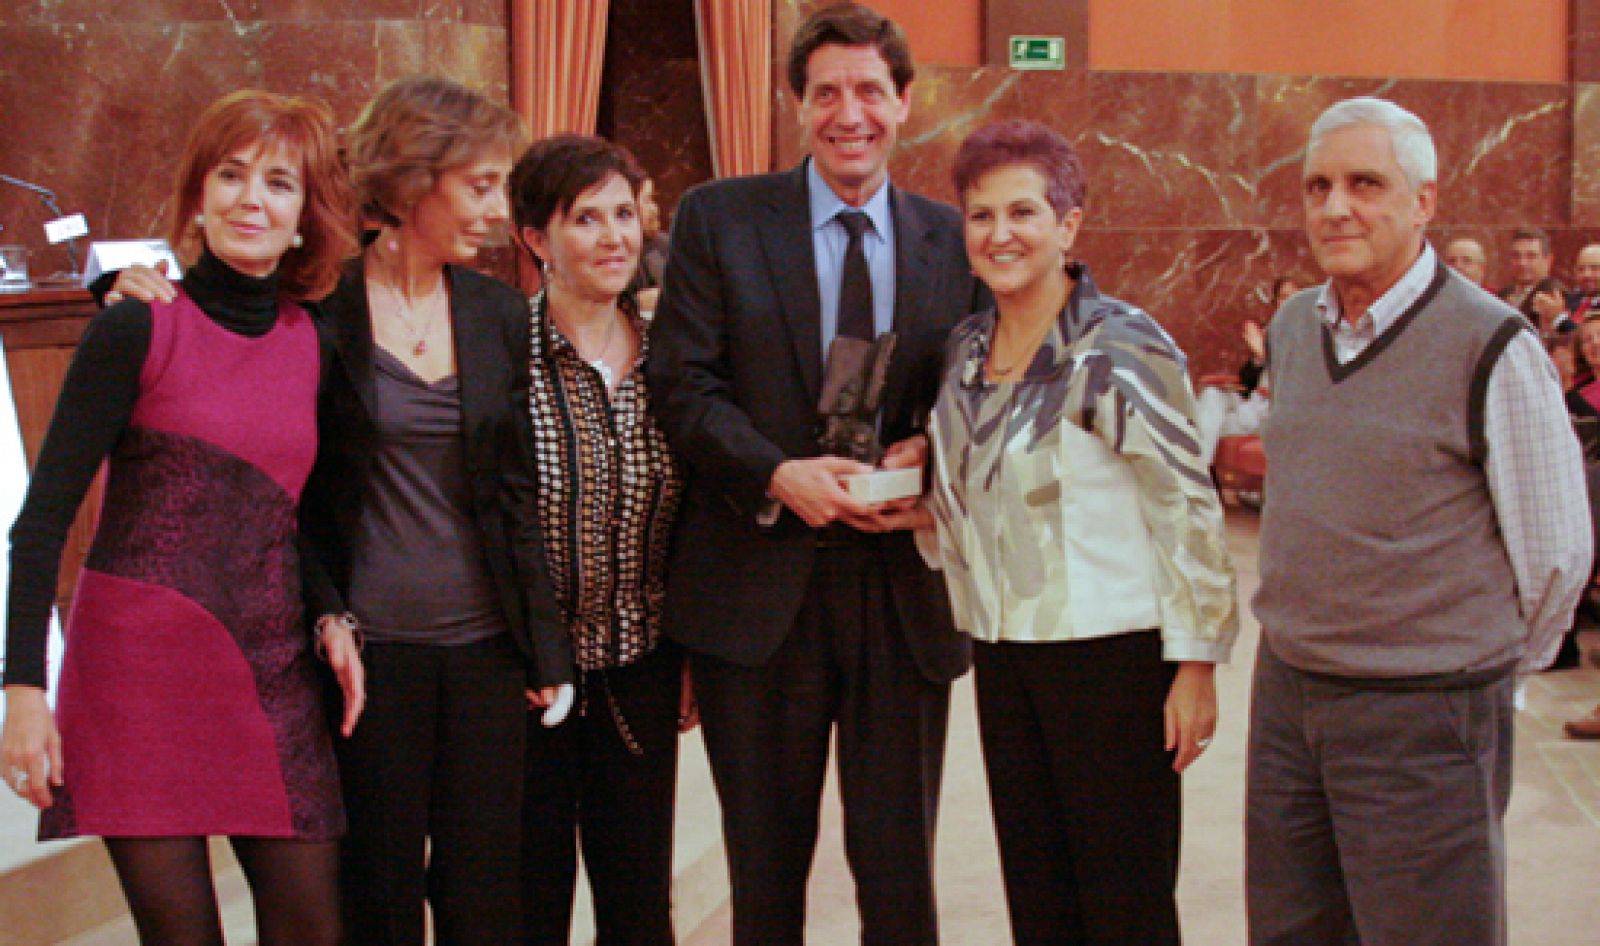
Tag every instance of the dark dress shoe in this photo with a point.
(1586, 728)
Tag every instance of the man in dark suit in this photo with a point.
(804, 608)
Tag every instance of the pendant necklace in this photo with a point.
(405, 313)
(1027, 356)
(598, 362)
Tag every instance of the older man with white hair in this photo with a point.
(1424, 540)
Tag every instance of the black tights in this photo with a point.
(168, 885)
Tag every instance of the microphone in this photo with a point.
(48, 198)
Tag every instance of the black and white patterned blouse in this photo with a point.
(608, 495)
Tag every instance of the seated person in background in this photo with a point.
(1467, 257)
(1533, 291)
(1255, 338)
(646, 285)
(1583, 302)
(1227, 412)
(1583, 389)
(1583, 402)
(1561, 355)
(1575, 357)
(1530, 263)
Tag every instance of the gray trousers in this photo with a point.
(1374, 815)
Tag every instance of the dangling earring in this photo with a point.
(297, 241)
(200, 221)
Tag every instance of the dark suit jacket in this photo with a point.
(490, 322)
(735, 371)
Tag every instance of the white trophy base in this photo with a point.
(881, 486)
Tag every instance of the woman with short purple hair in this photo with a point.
(1082, 544)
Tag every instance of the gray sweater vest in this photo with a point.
(1381, 556)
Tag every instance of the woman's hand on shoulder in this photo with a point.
(1191, 712)
(30, 746)
(144, 283)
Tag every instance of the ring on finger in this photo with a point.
(19, 778)
(1203, 743)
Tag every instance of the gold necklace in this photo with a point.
(1028, 352)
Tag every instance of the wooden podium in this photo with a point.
(41, 328)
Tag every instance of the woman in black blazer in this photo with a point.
(420, 515)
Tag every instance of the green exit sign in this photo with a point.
(1038, 52)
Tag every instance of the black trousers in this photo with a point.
(584, 786)
(436, 757)
(1086, 805)
(767, 733)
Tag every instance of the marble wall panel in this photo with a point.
(1167, 149)
(100, 98)
(1584, 54)
(660, 116)
(245, 12)
(1194, 201)
(104, 130)
(1202, 285)
(651, 98)
(1586, 154)
(1285, 110)
(327, 10)
(42, 12)
(1503, 147)
(1516, 167)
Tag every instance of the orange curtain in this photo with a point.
(557, 50)
(736, 74)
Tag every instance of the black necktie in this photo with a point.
(855, 286)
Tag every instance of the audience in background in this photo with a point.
(1467, 257)
(1530, 258)
(1583, 302)
(1283, 289)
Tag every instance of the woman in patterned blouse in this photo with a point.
(1082, 543)
(608, 495)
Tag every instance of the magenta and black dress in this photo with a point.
(189, 701)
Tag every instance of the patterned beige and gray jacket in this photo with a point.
(1074, 503)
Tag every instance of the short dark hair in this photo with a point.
(1532, 233)
(851, 24)
(555, 171)
(1020, 141)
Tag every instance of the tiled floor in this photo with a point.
(1553, 826)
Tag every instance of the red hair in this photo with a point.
(303, 126)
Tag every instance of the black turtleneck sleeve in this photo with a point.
(96, 402)
(94, 407)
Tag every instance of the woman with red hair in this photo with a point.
(189, 704)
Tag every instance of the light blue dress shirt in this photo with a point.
(828, 241)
